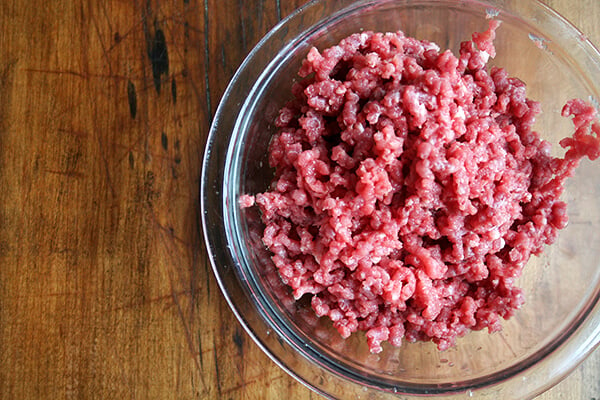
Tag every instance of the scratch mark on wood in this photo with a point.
(186, 327)
(173, 236)
(151, 194)
(8, 70)
(107, 17)
(148, 301)
(109, 181)
(58, 72)
(132, 98)
(196, 252)
(200, 352)
(104, 50)
(238, 340)
(255, 380)
(188, 78)
(6, 92)
(131, 160)
(164, 141)
(187, 28)
(223, 63)
(177, 158)
(243, 25)
(167, 237)
(239, 386)
(77, 74)
(278, 7)
(177, 18)
(72, 157)
(124, 375)
(45, 295)
(159, 57)
(207, 63)
(156, 47)
(174, 90)
(123, 36)
(186, 33)
(207, 275)
(217, 368)
(76, 133)
(69, 174)
(133, 148)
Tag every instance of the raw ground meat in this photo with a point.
(410, 189)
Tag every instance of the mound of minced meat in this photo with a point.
(410, 189)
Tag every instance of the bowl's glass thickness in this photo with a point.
(559, 324)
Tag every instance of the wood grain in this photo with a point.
(105, 287)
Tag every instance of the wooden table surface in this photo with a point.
(105, 287)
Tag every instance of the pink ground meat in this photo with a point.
(410, 189)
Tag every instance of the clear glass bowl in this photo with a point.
(560, 323)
